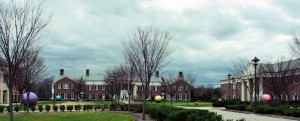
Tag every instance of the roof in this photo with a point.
(94, 77)
(59, 77)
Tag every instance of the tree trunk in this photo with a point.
(28, 102)
(129, 96)
(144, 104)
(11, 112)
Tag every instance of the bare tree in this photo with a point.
(147, 51)
(190, 79)
(295, 44)
(45, 92)
(130, 77)
(21, 24)
(33, 70)
(279, 76)
(240, 70)
(170, 87)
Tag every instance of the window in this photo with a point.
(72, 86)
(90, 96)
(97, 87)
(103, 96)
(103, 87)
(58, 86)
(96, 95)
(295, 96)
(72, 95)
(142, 96)
(90, 87)
(65, 96)
(180, 97)
(149, 96)
(155, 88)
(82, 87)
(65, 86)
(233, 87)
(59, 94)
(186, 88)
(180, 88)
(140, 88)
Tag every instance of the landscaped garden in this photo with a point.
(291, 108)
(103, 110)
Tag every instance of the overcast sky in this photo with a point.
(206, 34)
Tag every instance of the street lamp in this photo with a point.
(255, 62)
(228, 89)
(112, 89)
(115, 91)
(231, 89)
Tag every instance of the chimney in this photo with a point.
(61, 72)
(180, 74)
(157, 73)
(87, 72)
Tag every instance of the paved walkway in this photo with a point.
(229, 114)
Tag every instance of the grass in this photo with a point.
(190, 104)
(74, 102)
(72, 116)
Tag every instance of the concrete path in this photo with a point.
(228, 114)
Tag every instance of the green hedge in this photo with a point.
(167, 113)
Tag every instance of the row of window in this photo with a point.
(66, 96)
(234, 86)
(168, 97)
(71, 86)
(180, 88)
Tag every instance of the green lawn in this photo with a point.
(190, 104)
(74, 102)
(72, 116)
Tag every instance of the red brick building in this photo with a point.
(94, 87)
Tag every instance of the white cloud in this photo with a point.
(207, 34)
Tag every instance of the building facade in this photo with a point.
(95, 87)
(243, 89)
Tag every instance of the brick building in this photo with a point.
(94, 87)
(4, 93)
(243, 89)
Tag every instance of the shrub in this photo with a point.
(112, 106)
(55, 108)
(32, 107)
(105, 107)
(138, 108)
(95, 107)
(47, 107)
(70, 107)
(62, 108)
(17, 108)
(7, 108)
(249, 108)
(90, 107)
(1, 108)
(168, 113)
(77, 107)
(40, 108)
(292, 112)
(219, 104)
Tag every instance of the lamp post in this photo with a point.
(231, 89)
(228, 92)
(112, 89)
(255, 62)
(115, 91)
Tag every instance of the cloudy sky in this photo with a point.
(206, 34)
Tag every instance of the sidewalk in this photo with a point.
(249, 116)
